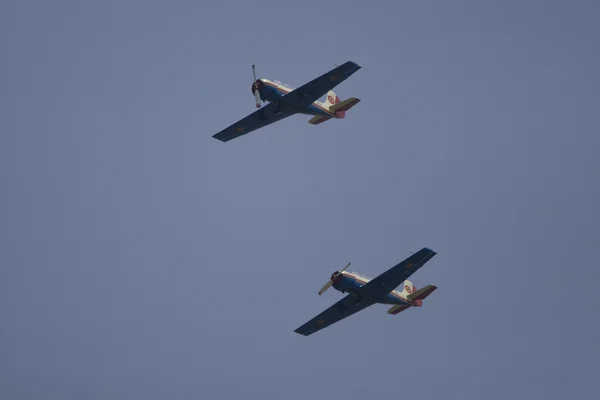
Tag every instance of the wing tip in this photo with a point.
(222, 137)
(430, 250)
(299, 331)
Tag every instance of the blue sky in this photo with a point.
(143, 259)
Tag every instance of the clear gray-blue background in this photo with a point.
(143, 259)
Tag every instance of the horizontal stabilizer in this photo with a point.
(344, 105)
(318, 120)
(397, 309)
(421, 293)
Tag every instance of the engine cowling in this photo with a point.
(257, 85)
(336, 277)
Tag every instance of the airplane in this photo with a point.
(364, 292)
(285, 101)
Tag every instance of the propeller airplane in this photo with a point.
(364, 292)
(285, 101)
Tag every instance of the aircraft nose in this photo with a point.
(256, 85)
(336, 277)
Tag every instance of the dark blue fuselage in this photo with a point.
(350, 283)
(272, 93)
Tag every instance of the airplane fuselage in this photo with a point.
(348, 282)
(273, 91)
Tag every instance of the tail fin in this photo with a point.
(407, 289)
(418, 296)
(339, 108)
(414, 296)
(331, 99)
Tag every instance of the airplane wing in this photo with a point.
(315, 89)
(337, 312)
(393, 277)
(258, 119)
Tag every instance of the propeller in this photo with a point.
(334, 276)
(255, 87)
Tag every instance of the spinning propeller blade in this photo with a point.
(324, 288)
(256, 94)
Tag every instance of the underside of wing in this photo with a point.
(390, 279)
(340, 310)
(315, 89)
(258, 119)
